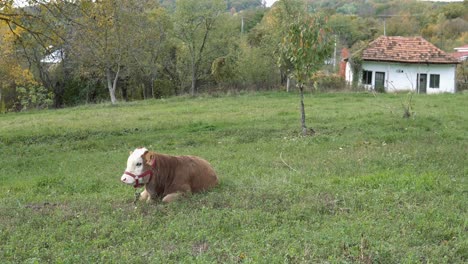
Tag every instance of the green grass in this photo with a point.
(370, 186)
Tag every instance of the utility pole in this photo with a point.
(384, 17)
(334, 57)
(384, 27)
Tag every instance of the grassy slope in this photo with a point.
(370, 186)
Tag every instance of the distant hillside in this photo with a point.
(238, 5)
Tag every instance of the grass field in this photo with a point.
(368, 187)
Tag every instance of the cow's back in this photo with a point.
(182, 173)
(204, 176)
(196, 172)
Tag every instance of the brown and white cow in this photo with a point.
(166, 176)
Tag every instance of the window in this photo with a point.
(434, 81)
(366, 77)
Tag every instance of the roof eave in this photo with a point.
(413, 62)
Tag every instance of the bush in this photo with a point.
(33, 97)
(328, 82)
(462, 76)
(164, 88)
(257, 69)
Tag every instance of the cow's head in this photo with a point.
(139, 171)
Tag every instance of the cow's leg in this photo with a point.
(171, 197)
(145, 196)
(182, 190)
(149, 194)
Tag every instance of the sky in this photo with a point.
(270, 2)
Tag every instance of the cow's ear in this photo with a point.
(148, 157)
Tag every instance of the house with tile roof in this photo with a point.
(395, 64)
(461, 53)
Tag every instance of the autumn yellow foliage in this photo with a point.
(12, 74)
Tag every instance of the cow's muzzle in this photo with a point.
(136, 180)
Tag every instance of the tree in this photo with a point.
(148, 47)
(194, 22)
(306, 46)
(98, 42)
(276, 25)
(16, 80)
(21, 18)
(244, 4)
(106, 38)
(351, 29)
(225, 45)
(39, 30)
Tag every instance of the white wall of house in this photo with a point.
(403, 76)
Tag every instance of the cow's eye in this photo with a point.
(138, 164)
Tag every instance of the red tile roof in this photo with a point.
(460, 55)
(462, 47)
(405, 49)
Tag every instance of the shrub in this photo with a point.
(33, 97)
(164, 88)
(462, 76)
(328, 82)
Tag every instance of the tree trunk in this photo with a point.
(152, 87)
(288, 83)
(303, 122)
(59, 90)
(111, 85)
(124, 89)
(194, 81)
(1, 102)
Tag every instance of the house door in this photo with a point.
(422, 82)
(380, 81)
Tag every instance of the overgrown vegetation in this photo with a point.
(370, 187)
(124, 50)
(33, 97)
